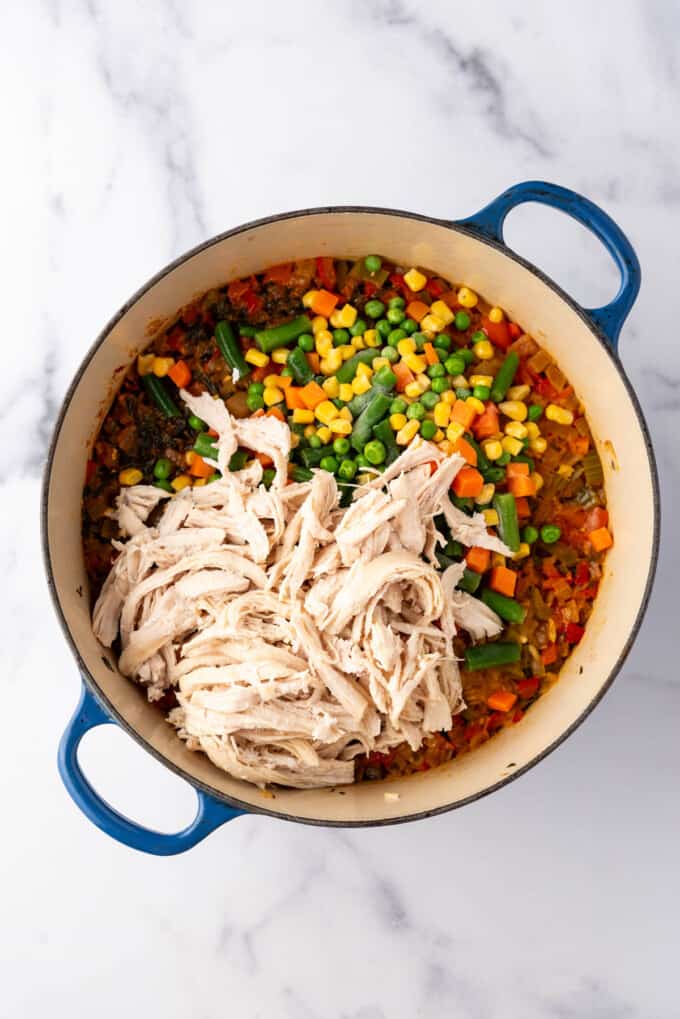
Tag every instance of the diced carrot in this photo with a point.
(417, 310)
(501, 700)
(468, 483)
(314, 361)
(478, 559)
(276, 412)
(199, 468)
(503, 580)
(279, 274)
(463, 413)
(579, 444)
(312, 394)
(521, 486)
(258, 413)
(284, 381)
(450, 297)
(486, 424)
(404, 375)
(516, 470)
(601, 539)
(294, 399)
(549, 654)
(431, 355)
(212, 433)
(468, 453)
(523, 508)
(180, 373)
(265, 460)
(324, 303)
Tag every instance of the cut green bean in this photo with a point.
(281, 336)
(204, 445)
(238, 460)
(372, 414)
(313, 457)
(489, 656)
(300, 368)
(508, 525)
(504, 377)
(348, 369)
(470, 581)
(230, 350)
(507, 608)
(385, 433)
(160, 396)
(301, 473)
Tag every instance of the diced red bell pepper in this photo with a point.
(397, 280)
(514, 330)
(549, 654)
(581, 574)
(370, 288)
(495, 721)
(498, 333)
(435, 288)
(325, 271)
(574, 632)
(527, 688)
(596, 517)
(518, 716)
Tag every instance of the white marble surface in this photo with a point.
(131, 131)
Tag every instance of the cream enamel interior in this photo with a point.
(555, 325)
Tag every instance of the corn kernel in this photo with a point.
(257, 357)
(272, 382)
(145, 363)
(189, 457)
(477, 405)
(161, 366)
(345, 414)
(552, 630)
(347, 350)
(538, 445)
(415, 280)
(493, 449)
(518, 392)
(460, 382)
(371, 338)
(537, 480)
(416, 362)
(467, 298)
(325, 411)
(363, 479)
(303, 417)
(427, 333)
(565, 471)
(397, 421)
(364, 369)
(439, 436)
(486, 495)
(497, 559)
(345, 391)
(406, 346)
(346, 317)
(412, 390)
(483, 350)
(130, 476)
(407, 433)
(424, 381)
(359, 343)
(319, 324)
(280, 355)
(511, 445)
(554, 413)
(446, 447)
(449, 397)
(523, 551)
(442, 413)
(334, 359)
(324, 433)
(442, 311)
(496, 315)
(272, 396)
(380, 362)
(454, 431)
(517, 429)
(200, 482)
(308, 298)
(360, 385)
(340, 427)
(432, 323)
(331, 388)
(514, 409)
(324, 342)
(490, 517)
(180, 482)
(335, 318)
(481, 380)
(533, 431)
(309, 430)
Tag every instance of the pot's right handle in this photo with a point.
(489, 221)
(210, 815)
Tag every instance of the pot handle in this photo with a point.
(210, 815)
(489, 222)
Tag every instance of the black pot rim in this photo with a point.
(89, 679)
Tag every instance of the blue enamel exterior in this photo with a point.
(489, 222)
(210, 815)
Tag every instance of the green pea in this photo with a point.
(374, 308)
(254, 402)
(254, 389)
(419, 339)
(503, 459)
(359, 327)
(462, 393)
(197, 425)
(462, 321)
(383, 327)
(306, 342)
(361, 462)
(428, 429)
(390, 353)
(455, 365)
(214, 477)
(165, 485)
(550, 533)
(286, 372)
(410, 326)
(397, 302)
(372, 263)
(341, 446)
(415, 412)
(481, 392)
(329, 463)
(534, 412)
(395, 315)
(436, 371)
(340, 337)
(268, 476)
(440, 385)
(398, 406)
(375, 452)
(529, 534)
(467, 354)
(162, 469)
(442, 341)
(347, 469)
(315, 442)
(395, 336)
(429, 400)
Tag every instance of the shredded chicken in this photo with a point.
(295, 634)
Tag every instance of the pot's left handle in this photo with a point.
(210, 815)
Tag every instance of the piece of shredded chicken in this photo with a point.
(295, 634)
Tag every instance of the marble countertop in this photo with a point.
(132, 132)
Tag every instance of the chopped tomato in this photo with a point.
(528, 687)
(325, 271)
(574, 632)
